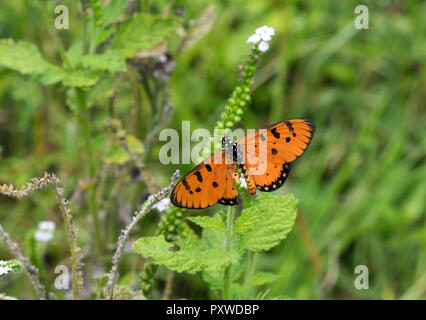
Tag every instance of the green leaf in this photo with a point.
(75, 54)
(206, 222)
(191, 257)
(81, 78)
(247, 221)
(142, 32)
(110, 61)
(103, 90)
(25, 58)
(214, 239)
(22, 56)
(116, 155)
(51, 75)
(262, 278)
(134, 144)
(276, 217)
(113, 10)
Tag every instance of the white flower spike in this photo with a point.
(43, 236)
(261, 37)
(46, 226)
(263, 46)
(45, 230)
(254, 38)
(265, 30)
(162, 204)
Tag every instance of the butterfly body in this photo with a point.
(263, 158)
(251, 186)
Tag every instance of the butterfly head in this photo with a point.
(226, 141)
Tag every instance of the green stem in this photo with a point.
(86, 130)
(66, 215)
(249, 271)
(227, 292)
(85, 27)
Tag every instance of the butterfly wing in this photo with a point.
(285, 142)
(230, 195)
(208, 183)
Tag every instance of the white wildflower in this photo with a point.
(265, 31)
(266, 37)
(162, 205)
(263, 46)
(43, 236)
(44, 233)
(243, 182)
(254, 38)
(5, 270)
(261, 37)
(48, 226)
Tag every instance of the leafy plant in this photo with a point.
(87, 103)
(261, 226)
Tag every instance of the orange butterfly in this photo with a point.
(211, 181)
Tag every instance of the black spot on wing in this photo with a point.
(278, 182)
(289, 125)
(208, 167)
(199, 177)
(275, 133)
(185, 183)
(228, 202)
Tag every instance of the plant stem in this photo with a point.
(249, 271)
(32, 272)
(85, 20)
(124, 235)
(86, 130)
(228, 247)
(77, 280)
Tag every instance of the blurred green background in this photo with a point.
(361, 184)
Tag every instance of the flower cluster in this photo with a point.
(261, 38)
(9, 266)
(44, 233)
(233, 112)
(34, 184)
(4, 269)
(162, 204)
